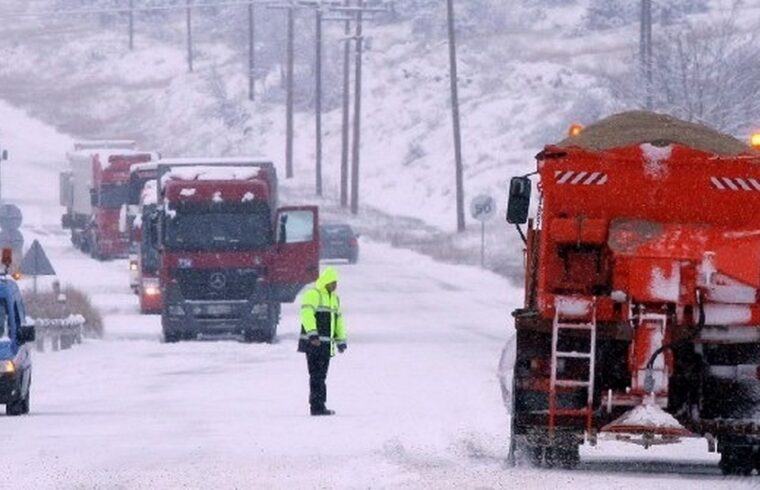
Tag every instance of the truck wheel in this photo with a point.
(170, 337)
(736, 460)
(250, 335)
(562, 456)
(522, 452)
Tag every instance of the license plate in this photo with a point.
(219, 309)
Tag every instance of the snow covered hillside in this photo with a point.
(522, 84)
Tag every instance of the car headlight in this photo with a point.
(7, 367)
(176, 310)
(151, 287)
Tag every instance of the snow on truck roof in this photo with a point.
(639, 127)
(97, 144)
(215, 161)
(105, 154)
(210, 172)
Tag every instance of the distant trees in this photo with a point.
(607, 14)
(707, 73)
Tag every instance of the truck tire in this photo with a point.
(170, 336)
(565, 456)
(522, 452)
(737, 460)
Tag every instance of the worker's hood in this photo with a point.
(328, 275)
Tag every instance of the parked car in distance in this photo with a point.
(338, 241)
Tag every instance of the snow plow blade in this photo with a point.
(646, 425)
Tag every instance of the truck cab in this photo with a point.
(15, 347)
(229, 255)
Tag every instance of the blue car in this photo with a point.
(15, 350)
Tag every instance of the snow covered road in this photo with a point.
(418, 401)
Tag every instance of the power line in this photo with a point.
(119, 10)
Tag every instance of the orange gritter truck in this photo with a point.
(641, 319)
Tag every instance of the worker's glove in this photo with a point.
(314, 340)
(342, 348)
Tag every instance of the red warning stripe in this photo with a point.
(580, 178)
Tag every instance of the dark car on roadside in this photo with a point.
(16, 338)
(338, 241)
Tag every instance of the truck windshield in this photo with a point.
(113, 196)
(204, 229)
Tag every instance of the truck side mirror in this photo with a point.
(25, 334)
(282, 236)
(153, 230)
(93, 197)
(518, 205)
(5, 154)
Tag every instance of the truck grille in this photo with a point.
(217, 284)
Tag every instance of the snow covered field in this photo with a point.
(418, 400)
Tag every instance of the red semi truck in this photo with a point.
(147, 253)
(95, 192)
(229, 255)
(139, 177)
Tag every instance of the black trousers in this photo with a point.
(318, 364)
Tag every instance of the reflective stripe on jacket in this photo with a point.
(321, 316)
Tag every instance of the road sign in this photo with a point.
(12, 238)
(10, 217)
(36, 263)
(483, 207)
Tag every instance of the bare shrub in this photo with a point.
(46, 305)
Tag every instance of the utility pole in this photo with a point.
(318, 96)
(189, 36)
(455, 117)
(645, 50)
(291, 7)
(319, 18)
(251, 52)
(359, 11)
(131, 25)
(355, 154)
(346, 110)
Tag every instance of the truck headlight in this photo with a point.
(151, 287)
(7, 367)
(132, 265)
(176, 310)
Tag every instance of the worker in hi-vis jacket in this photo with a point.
(322, 331)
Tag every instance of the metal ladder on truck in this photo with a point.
(564, 323)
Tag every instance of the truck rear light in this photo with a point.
(353, 242)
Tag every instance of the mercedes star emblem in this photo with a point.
(218, 281)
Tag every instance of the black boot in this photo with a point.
(322, 411)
